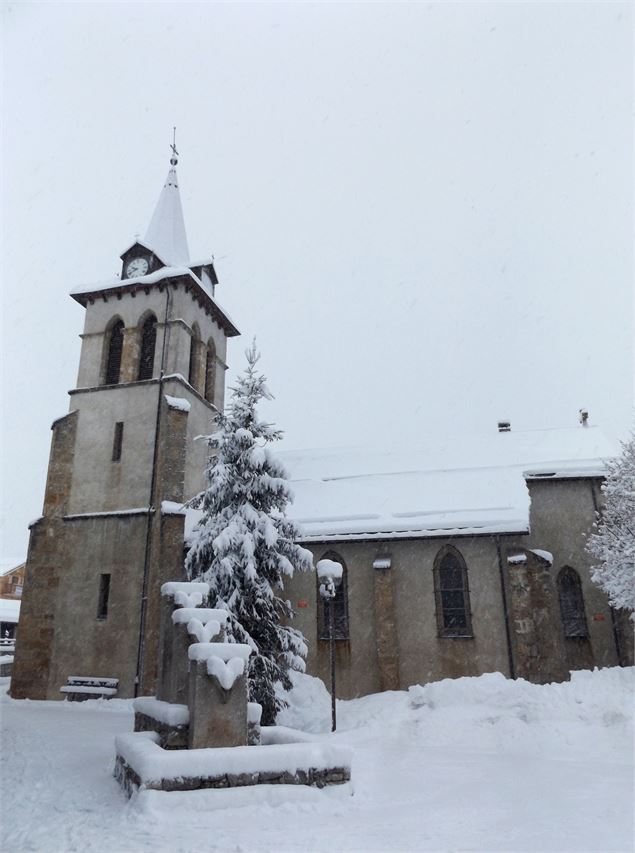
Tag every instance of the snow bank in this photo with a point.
(594, 708)
(270, 735)
(309, 704)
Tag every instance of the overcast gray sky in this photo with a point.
(422, 210)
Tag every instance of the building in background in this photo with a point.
(12, 581)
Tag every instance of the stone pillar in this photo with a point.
(218, 717)
(536, 634)
(174, 641)
(200, 362)
(60, 470)
(385, 625)
(129, 369)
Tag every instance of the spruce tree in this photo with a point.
(244, 544)
(613, 545)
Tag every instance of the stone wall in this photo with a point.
(394, 639)
(538, 645)
(46, 560)
(561, 517)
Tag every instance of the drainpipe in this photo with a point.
(508, 635)
(151, 509)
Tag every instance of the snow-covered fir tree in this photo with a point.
(613, 545)
(244, 543)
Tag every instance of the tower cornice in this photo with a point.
(159, 280)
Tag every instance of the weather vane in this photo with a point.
(175, 153)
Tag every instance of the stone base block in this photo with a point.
(142, 763)
(130, 780)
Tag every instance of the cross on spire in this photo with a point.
(175, 153)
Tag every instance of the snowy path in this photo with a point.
(513, 773)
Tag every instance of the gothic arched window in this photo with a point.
(195, 341)
(148, 343)
(572, 603)
(452, 594)
(210, 372)
(113, 356)
(339, 604)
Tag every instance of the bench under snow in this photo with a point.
(81, 687)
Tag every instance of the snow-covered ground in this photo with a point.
(473, 764)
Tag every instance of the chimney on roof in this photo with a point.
(504, 426)
(584, 417)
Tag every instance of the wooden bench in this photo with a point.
(78, 688)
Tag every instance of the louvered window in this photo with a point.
(113, 360)
(148, 343)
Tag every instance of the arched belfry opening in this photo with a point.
(195, 343)
(210, 372)
(148, 345)
(114, 338)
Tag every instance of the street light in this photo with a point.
(330, 576)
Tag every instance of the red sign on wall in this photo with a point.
(303, 603)
(599, 617)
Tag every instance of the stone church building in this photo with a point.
(462, 559)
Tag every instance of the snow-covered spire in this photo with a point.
(166, 232)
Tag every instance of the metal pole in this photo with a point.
(332, 657)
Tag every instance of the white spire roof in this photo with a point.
(166, 232)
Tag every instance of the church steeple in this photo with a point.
(166, 233)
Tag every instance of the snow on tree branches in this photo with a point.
(244, 544)
(614, 543)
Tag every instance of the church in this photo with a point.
(458, 559)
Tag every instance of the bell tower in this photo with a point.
(123, 460)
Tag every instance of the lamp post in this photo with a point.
(330, 576)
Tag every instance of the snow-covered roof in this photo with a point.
(462, 486)
(9, 610)
(166, 232)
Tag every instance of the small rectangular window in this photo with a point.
(104, 592)
(118, 441)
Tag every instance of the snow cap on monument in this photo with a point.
(166, 232)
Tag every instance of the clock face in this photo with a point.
(136, 267)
